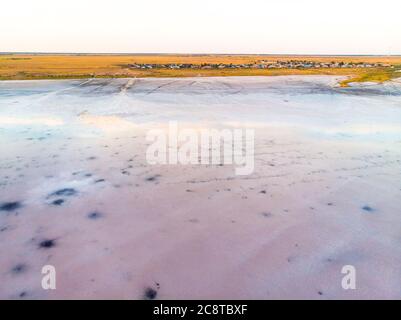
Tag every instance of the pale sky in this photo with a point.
(202, 26)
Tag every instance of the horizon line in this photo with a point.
(193, 54)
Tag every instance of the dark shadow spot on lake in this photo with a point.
(367, 208)
(19, 268)
(68, 192)
(150, 293)
(153, 178)
(58, 202)
(266, 214)
(10, 206)
(94, 215)
(46, 244)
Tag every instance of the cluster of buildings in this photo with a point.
(289, 64)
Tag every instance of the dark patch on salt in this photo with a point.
(367, 208)
(94, 215)
(153, 178)
(58, 202)
(10, 206)
(150, 293)
(68, 192)
(19, 268)
(46, 244)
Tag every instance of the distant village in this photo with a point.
(290, 64)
